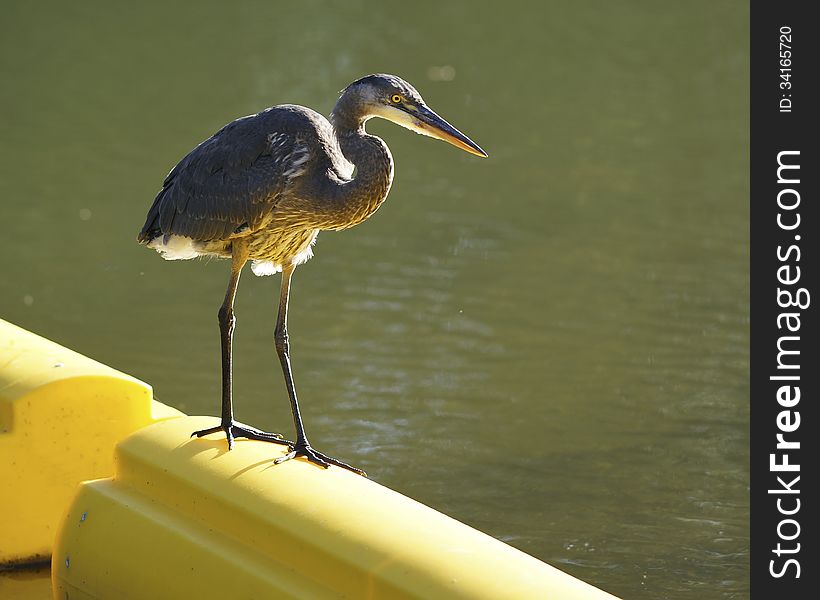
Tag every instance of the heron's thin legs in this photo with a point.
(302, 446)
(280, 336)
(227, 323)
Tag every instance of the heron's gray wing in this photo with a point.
(228, 182)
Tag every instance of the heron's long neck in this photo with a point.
(361, 196)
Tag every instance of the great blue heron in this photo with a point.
(262, 187)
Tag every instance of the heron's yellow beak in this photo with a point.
(435, 126)
(423, 120)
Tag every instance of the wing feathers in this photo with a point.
(234, 178)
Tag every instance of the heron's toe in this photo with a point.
(318, 458)
(240, 430)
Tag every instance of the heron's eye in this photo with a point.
(395, 98)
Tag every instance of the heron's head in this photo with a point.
(392, 98)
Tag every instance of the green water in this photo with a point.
(550, 345)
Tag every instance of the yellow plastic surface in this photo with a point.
(185, 518)
(61, 414)
(28, 584)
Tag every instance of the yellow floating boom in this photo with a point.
(184, 517)
(177, 517)
(61, 414)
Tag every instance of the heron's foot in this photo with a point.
(323, 460)
(240, 430)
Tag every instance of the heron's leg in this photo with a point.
(302, 446)
(227, 323)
